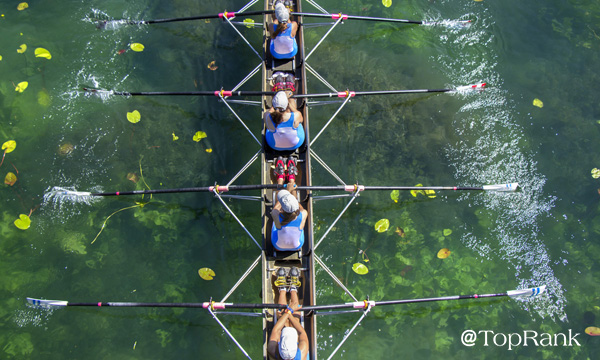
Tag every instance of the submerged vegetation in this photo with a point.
(388, 246)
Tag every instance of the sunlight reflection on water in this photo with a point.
(491, 151)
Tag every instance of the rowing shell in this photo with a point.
(271, 258)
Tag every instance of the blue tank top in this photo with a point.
(285, 136)
(298, 354)
(290, 237)
(284, 46)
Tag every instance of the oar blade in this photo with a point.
(531, 292)
(47, 303)
(501, 187)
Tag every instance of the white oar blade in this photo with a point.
(59, 196)
(502, 187)
(46, 303)
(527, 292)
(467, 88)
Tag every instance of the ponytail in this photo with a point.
(281, 28)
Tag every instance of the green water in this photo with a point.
(545, 234)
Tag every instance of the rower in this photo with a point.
(284, 123)
(288, 338)
(283, 34)
(289, 218)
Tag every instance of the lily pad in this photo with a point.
(595, 173)
(22, 6)
(22, 86)
(382, 225)
(208, 150)
(386, 3)
(22, 48)
(538, 103)
(199, 135)
(360, 269)
(592, 331)
(212, 66)
(43, 53)
(206, 273)
(134, 116)
(10, 179)
(447, 232)
(443, 253)
(430, 194)
(23, 222)
(416, 192)
(137, 47)
(395, 195)
(175, 137)
(249, 22)
(9, 146)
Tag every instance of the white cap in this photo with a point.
(288, 343)
(280, 101)
(288, 202)
(282, 13)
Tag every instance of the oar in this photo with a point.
(340, 94)
(179, 93)
(58, 192)
(216, 305)
(531, 292)
(213, 305)
(369, 18)
(343, 94)
(352, 188)
(103, 23)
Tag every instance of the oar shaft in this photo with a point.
(192, 189)
(355, 17)
(442, 298)
(365, 304)
(362, 187)
(182, 93)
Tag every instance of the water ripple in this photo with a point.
(491, 149)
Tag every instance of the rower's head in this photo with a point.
(288, 344)
(280, 101)
(282, 13)
(289, 203)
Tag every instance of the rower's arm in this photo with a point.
(302, 337)
(268, 122)
(304, 216)
(275, 216)
(276, 335)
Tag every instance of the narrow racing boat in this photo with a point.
(290, 75)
